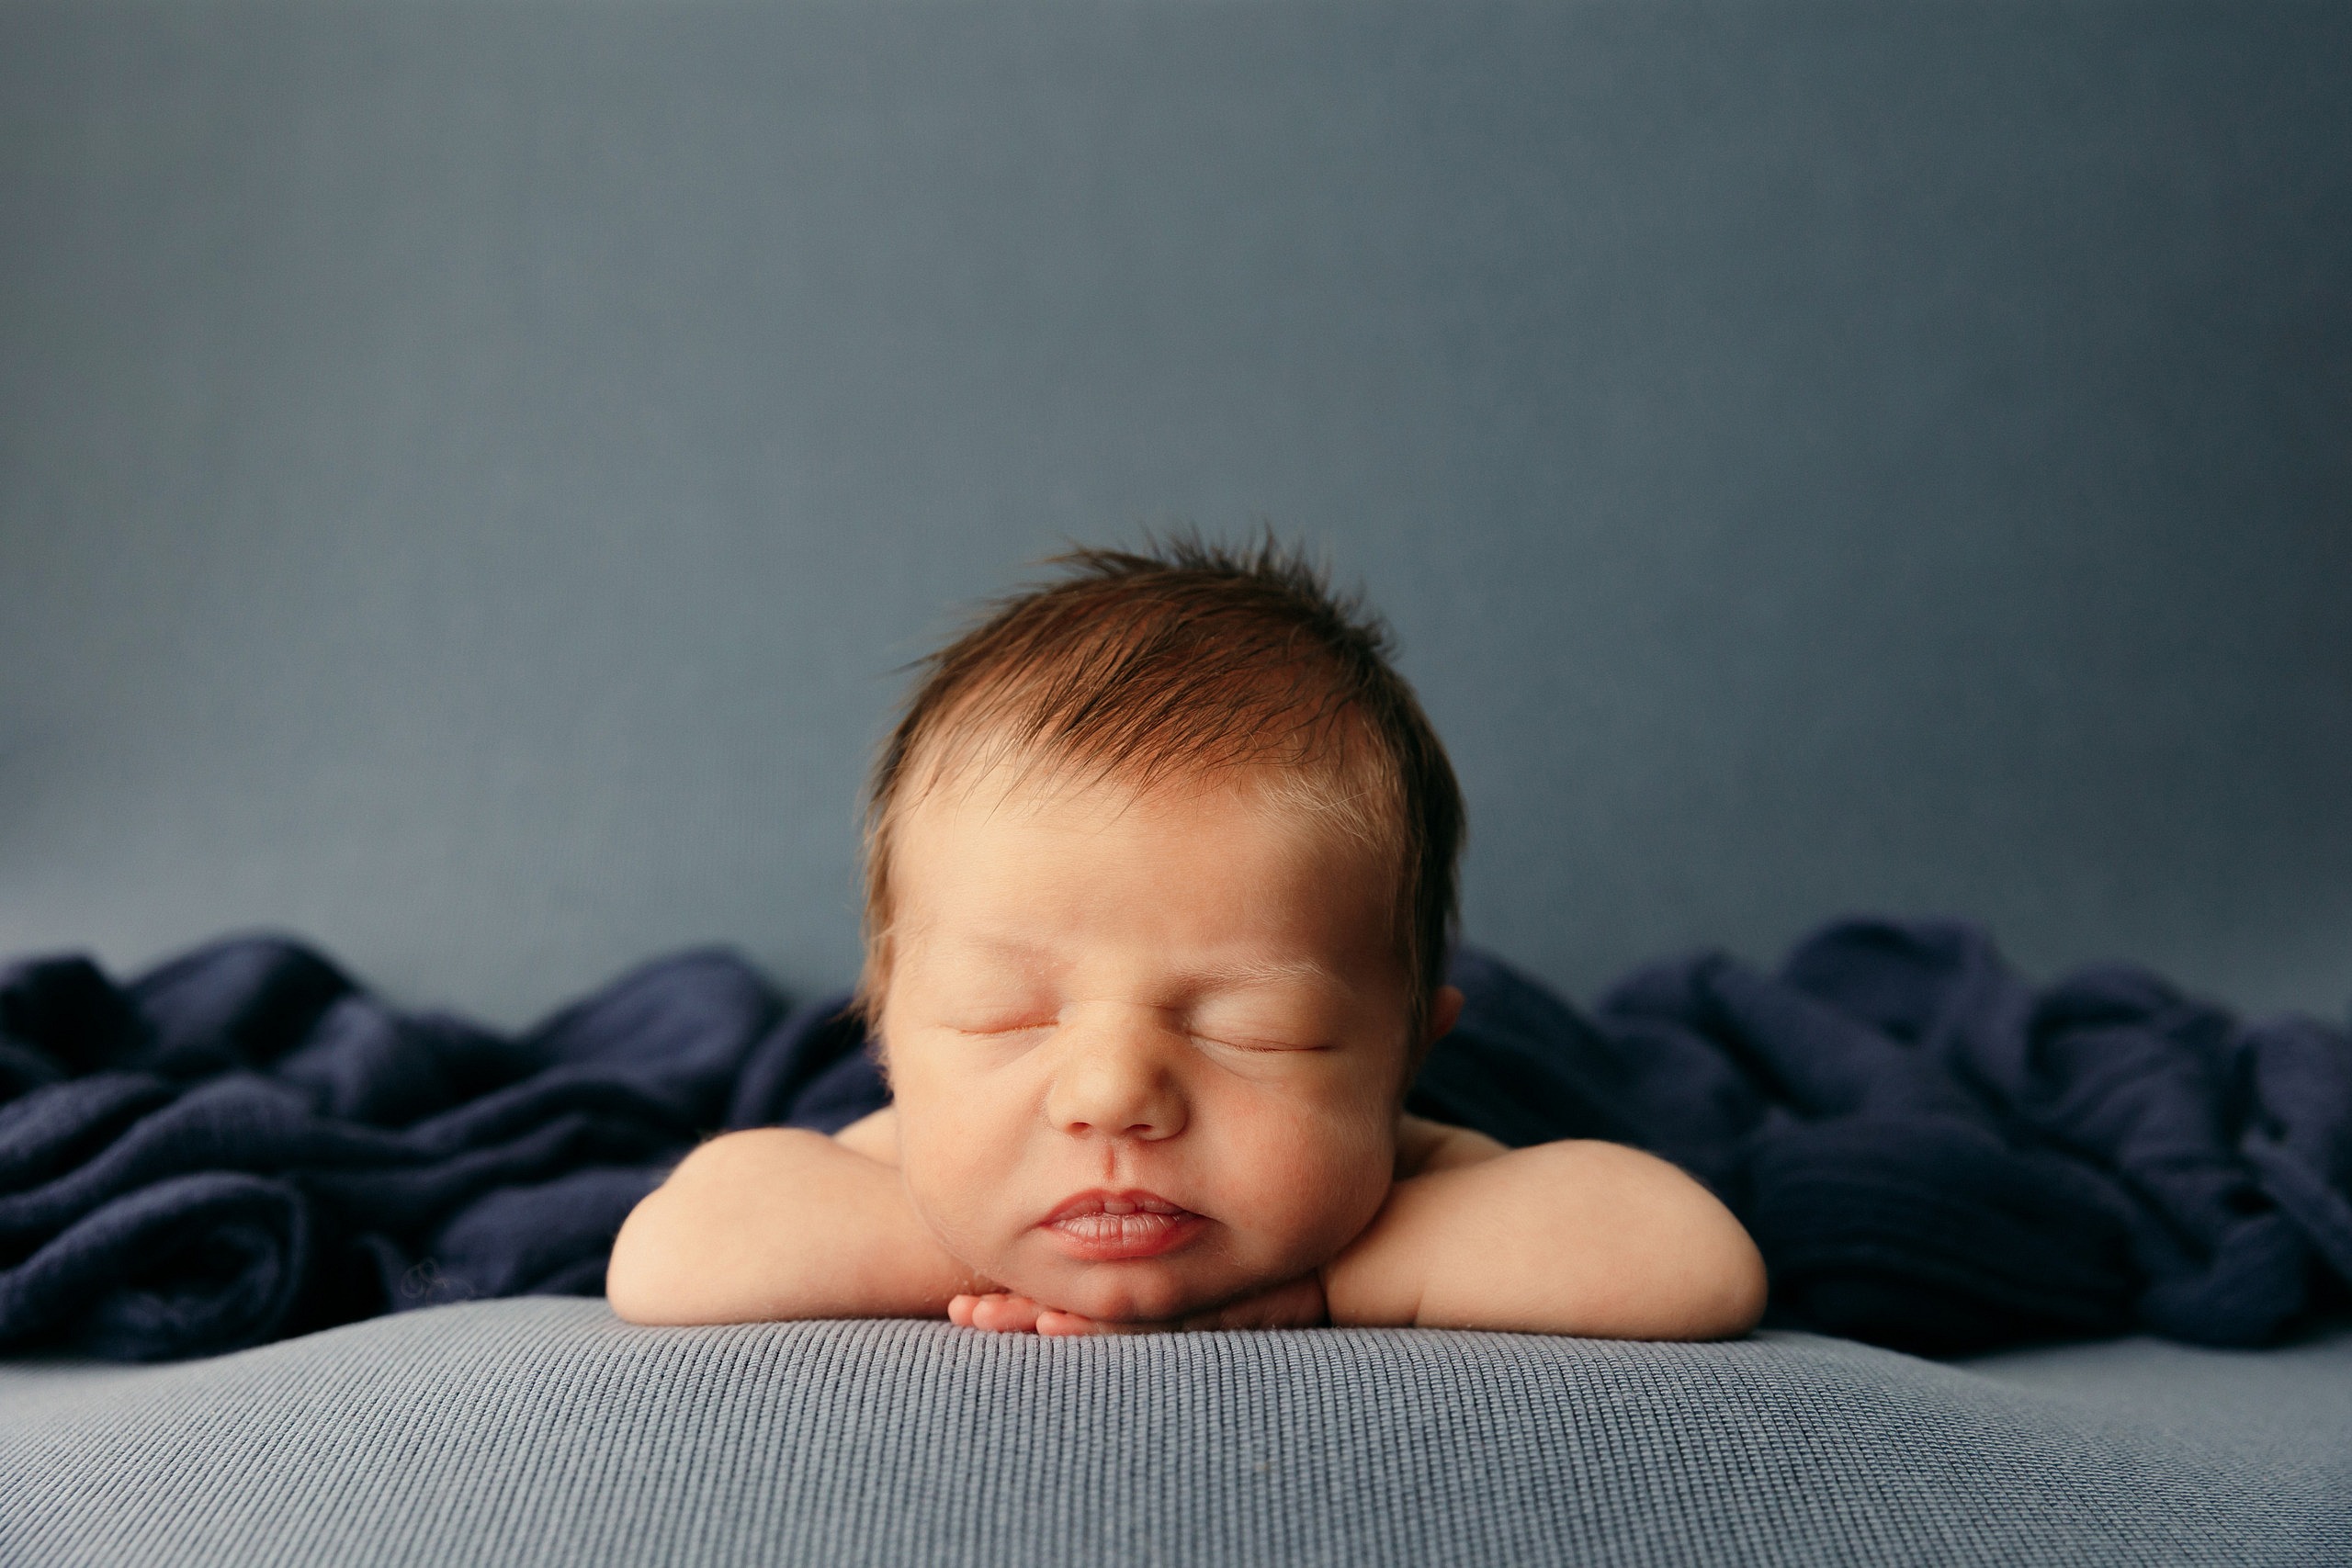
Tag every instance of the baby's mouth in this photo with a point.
(1101, 1227)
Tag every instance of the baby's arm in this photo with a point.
(1576, 1238)
(778, 1223)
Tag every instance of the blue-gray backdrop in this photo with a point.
(468, 472)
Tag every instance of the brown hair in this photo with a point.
(1180, 659)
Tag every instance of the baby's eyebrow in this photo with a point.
(1018, 949)
(1271, 972)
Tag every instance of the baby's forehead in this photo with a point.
(997, 777)
(1216, 818)
(981, 858)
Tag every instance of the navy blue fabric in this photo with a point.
(244, 1144)
(1936, 1155)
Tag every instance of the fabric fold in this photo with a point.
(190, 1265)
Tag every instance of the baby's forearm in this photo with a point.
(1587, 1238)
(779, 1224)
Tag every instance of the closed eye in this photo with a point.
(1022, 1026)
(1245, 1043)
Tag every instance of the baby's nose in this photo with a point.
(1118, 1078)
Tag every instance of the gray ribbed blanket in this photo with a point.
(544, 1431)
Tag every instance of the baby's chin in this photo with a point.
(1143, 1270)
(1217, 1269)
(1157, 1291)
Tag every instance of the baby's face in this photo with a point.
(1146, 1048)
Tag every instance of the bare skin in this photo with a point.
(1146, 1052)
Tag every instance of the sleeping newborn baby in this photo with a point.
(1161, 880)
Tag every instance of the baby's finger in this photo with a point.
(973, 1311)
(1002, 1313)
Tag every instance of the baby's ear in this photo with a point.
(1445, 1007)
(1445, 1011)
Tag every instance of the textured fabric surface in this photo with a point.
(548, 1432)
(2296, 1396)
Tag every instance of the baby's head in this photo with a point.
(1161, 880)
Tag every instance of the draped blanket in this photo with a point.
(244, 1144)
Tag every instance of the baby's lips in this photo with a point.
(1098, 1200)
(1120, 1227)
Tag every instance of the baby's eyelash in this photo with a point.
(1263, 1045)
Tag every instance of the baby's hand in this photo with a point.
(1000, 1311)
(1295, 1303)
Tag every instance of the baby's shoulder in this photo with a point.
(876, 1136)
(1424, 1147)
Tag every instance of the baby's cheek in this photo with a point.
(1313, 1181)
(951, 1171)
